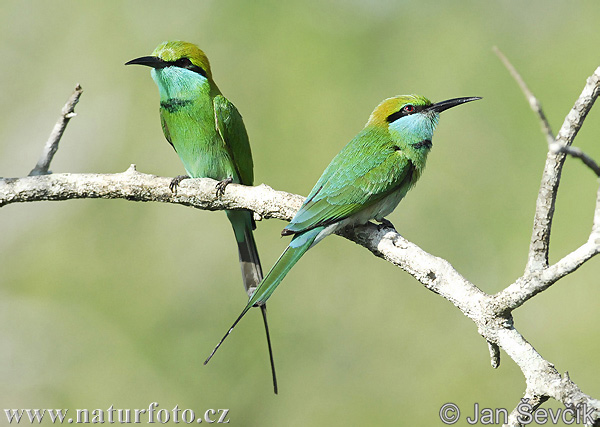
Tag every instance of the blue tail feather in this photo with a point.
(297, 247)
(252, 275)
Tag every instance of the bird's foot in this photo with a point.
(385, 223)
(175, 183)
(222, 185)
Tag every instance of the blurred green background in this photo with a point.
(109, 302)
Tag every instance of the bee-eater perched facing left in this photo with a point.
(365, 181)
(208, 134)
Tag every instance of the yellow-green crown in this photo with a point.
(389, 106)
(171, 51)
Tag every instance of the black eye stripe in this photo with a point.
(403, 112)
(395, 116)
(183, 62)
(187, 64)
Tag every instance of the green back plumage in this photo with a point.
(375, 164)
(232, 132)
(347, 186)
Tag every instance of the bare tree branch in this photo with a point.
(492, 314)
(528, 404)
(540, 239)
(135, 186)
(534, 103)
(531, 284)
(67, 113)
(538, 276)
(489, 313)
(542, 223)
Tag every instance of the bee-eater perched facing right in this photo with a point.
(208, 134)
(365, 181)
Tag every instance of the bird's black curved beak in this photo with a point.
(438, 107)
(149, 61)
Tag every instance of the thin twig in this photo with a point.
(546, 201)
(539, 276)
(542, 223)
(529, 285)
(535, 104)
(555, 147)
(67, 113)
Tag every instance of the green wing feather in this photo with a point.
(230, 127)
(349, 185)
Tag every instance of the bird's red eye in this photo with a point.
(409, 109)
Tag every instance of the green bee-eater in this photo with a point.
(365, 181)
(208, 134)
